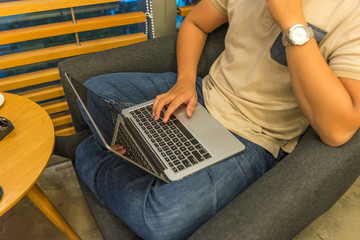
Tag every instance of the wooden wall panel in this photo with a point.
(183, 11)
(31, 6)
(62, 28)
(63, 51)
(53, 94)
(29, 79)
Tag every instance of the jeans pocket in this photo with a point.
(277, 50)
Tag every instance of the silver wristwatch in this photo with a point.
(298, 34)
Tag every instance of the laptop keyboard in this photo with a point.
(175, 143)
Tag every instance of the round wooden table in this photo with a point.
(24, 154)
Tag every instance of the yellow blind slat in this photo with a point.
(46, 54)
(44, 93)
(55, 29)
(29, 79)
(30, 6)
(65, 131)
(183, 11)
(55, 106)
(58, 109)
(61, 119)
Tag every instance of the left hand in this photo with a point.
(118, 148)
(286, 13)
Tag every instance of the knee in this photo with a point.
(101, 84)
(177, 222)
(167, 228)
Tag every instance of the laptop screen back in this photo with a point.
(88, 101)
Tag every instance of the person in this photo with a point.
(286, 65)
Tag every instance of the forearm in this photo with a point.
(190, 43)
(203, 19)
(330, 104)
(322, 97)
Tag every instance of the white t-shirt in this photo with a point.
(248, 88)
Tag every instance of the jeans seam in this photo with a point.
(120, 92)
(98, 170)
(215, 201)
(248, 183)
(111, 105)
(144, 210)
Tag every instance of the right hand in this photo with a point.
(183, 91)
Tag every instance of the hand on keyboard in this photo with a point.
(183, 91)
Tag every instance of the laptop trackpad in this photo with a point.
(200, 122)
(210, 133)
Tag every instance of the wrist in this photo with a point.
(286, 25)
(186, 78)
(298, 34)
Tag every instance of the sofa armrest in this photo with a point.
(290, 196)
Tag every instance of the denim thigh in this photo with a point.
(150, 207)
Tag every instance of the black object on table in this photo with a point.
(1, 192)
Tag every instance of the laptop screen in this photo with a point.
(88, 101)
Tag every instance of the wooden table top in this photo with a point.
(25, 152)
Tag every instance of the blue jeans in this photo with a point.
(150, 207)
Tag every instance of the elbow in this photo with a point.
(336, 138)
(333, 141)
(336, 133)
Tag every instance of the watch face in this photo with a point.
(299, 35)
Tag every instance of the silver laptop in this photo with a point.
(169, 151)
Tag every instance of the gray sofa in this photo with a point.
(278, 206)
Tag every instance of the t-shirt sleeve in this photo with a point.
(345, 57)
(220, 5)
